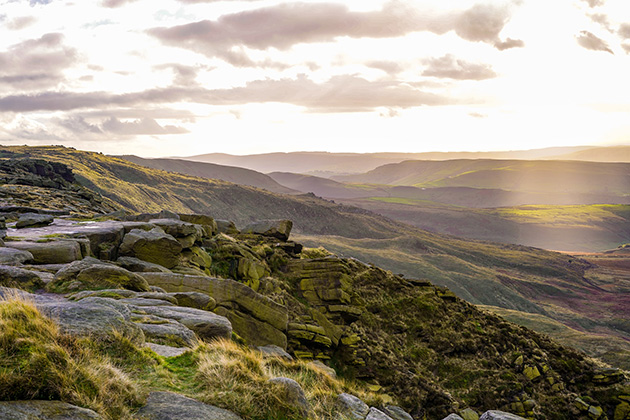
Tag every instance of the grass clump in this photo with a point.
(236, 378)
(39, 362)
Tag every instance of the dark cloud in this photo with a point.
(389, 67)
(453, 68)
(20, 22)
(78, 124)
(284, 25)
(36, 63)
(340, 93)
(595, 3)
(591, 42)
(509, 43)
(624, 30)
(145, 126)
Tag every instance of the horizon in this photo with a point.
(188, 77)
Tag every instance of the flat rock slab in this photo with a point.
(376, 414)
(171, 406)
(167, 351)
(12, 256)
(280, 229)
(154, 246)
(33, 220)
(44, 410)
(396, 413)
(206, 324)
(11, 276)
(53, 252)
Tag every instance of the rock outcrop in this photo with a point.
(44, 410)
(171, 406)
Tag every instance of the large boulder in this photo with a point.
(206, 222)
(280, 229)
(91, 273)
(396, 413)
(90, 319)
(154, 246)
(33, 220)
(226, 226)
(452, 417)
(138, 266)
(499, 415)
(207, 325)
(50, 252)
(44, 410)
(291, 393)
(166, 332)
(105, 238)
(352, 407)
(171, 406)
(19, 278)
(186, 233)
(253, 331)
(12, 256)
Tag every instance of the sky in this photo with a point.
(184, 77)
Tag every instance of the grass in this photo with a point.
(113, 376)
(38, 362)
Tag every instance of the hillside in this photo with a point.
(561, 177)
(328, 164)
(232, 174)
(599, 154)
(514, 277)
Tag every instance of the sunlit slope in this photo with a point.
(562, 177)
(585, 228)
(232, 174)
(599, 154)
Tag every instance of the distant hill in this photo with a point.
(328, 164)
(559, 177)
(532, 280)
(599, 154)
(208, 170)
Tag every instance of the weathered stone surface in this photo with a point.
(12, 256)
(196, 257)
(225, 291)
(44, 410)
(499, 415)
(91, 273)
(19, 278)
(90, 319)
(52, 252)
(396, 413)
(154, 246)
(106, 293)
(105, 238)
(271, 350)
(292, 394)
(376, 414)
(253, 331)
(171, 406)
(116, 305)
(194, 300)
(206, 324)
(329, 371)
(165, 331)
(33, 220)
(138, 266)
(280, 229)
(177, 228)
(352, 407)
(227, 227)
(206, 222)
(452, 417)
(137, 301)
(145, 217)
(167, 351)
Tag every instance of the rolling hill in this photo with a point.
(560, 177)
(328, 164)
(599, 154)
(208, 170)
(513, 277)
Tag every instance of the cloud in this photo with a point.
(78, 124)
(591, 42)
(601, 19)
(624, 30)
(509, 43)
(389, 67)
(287, 24)
(626, 48)
(20, 22)
(36, 63)
(145, 126)
(595, 3)
(345, 93)
(451, 68)
(477, 115)
(116, 3)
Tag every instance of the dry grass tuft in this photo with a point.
(38, 362)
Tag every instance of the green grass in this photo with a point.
(582, 215)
